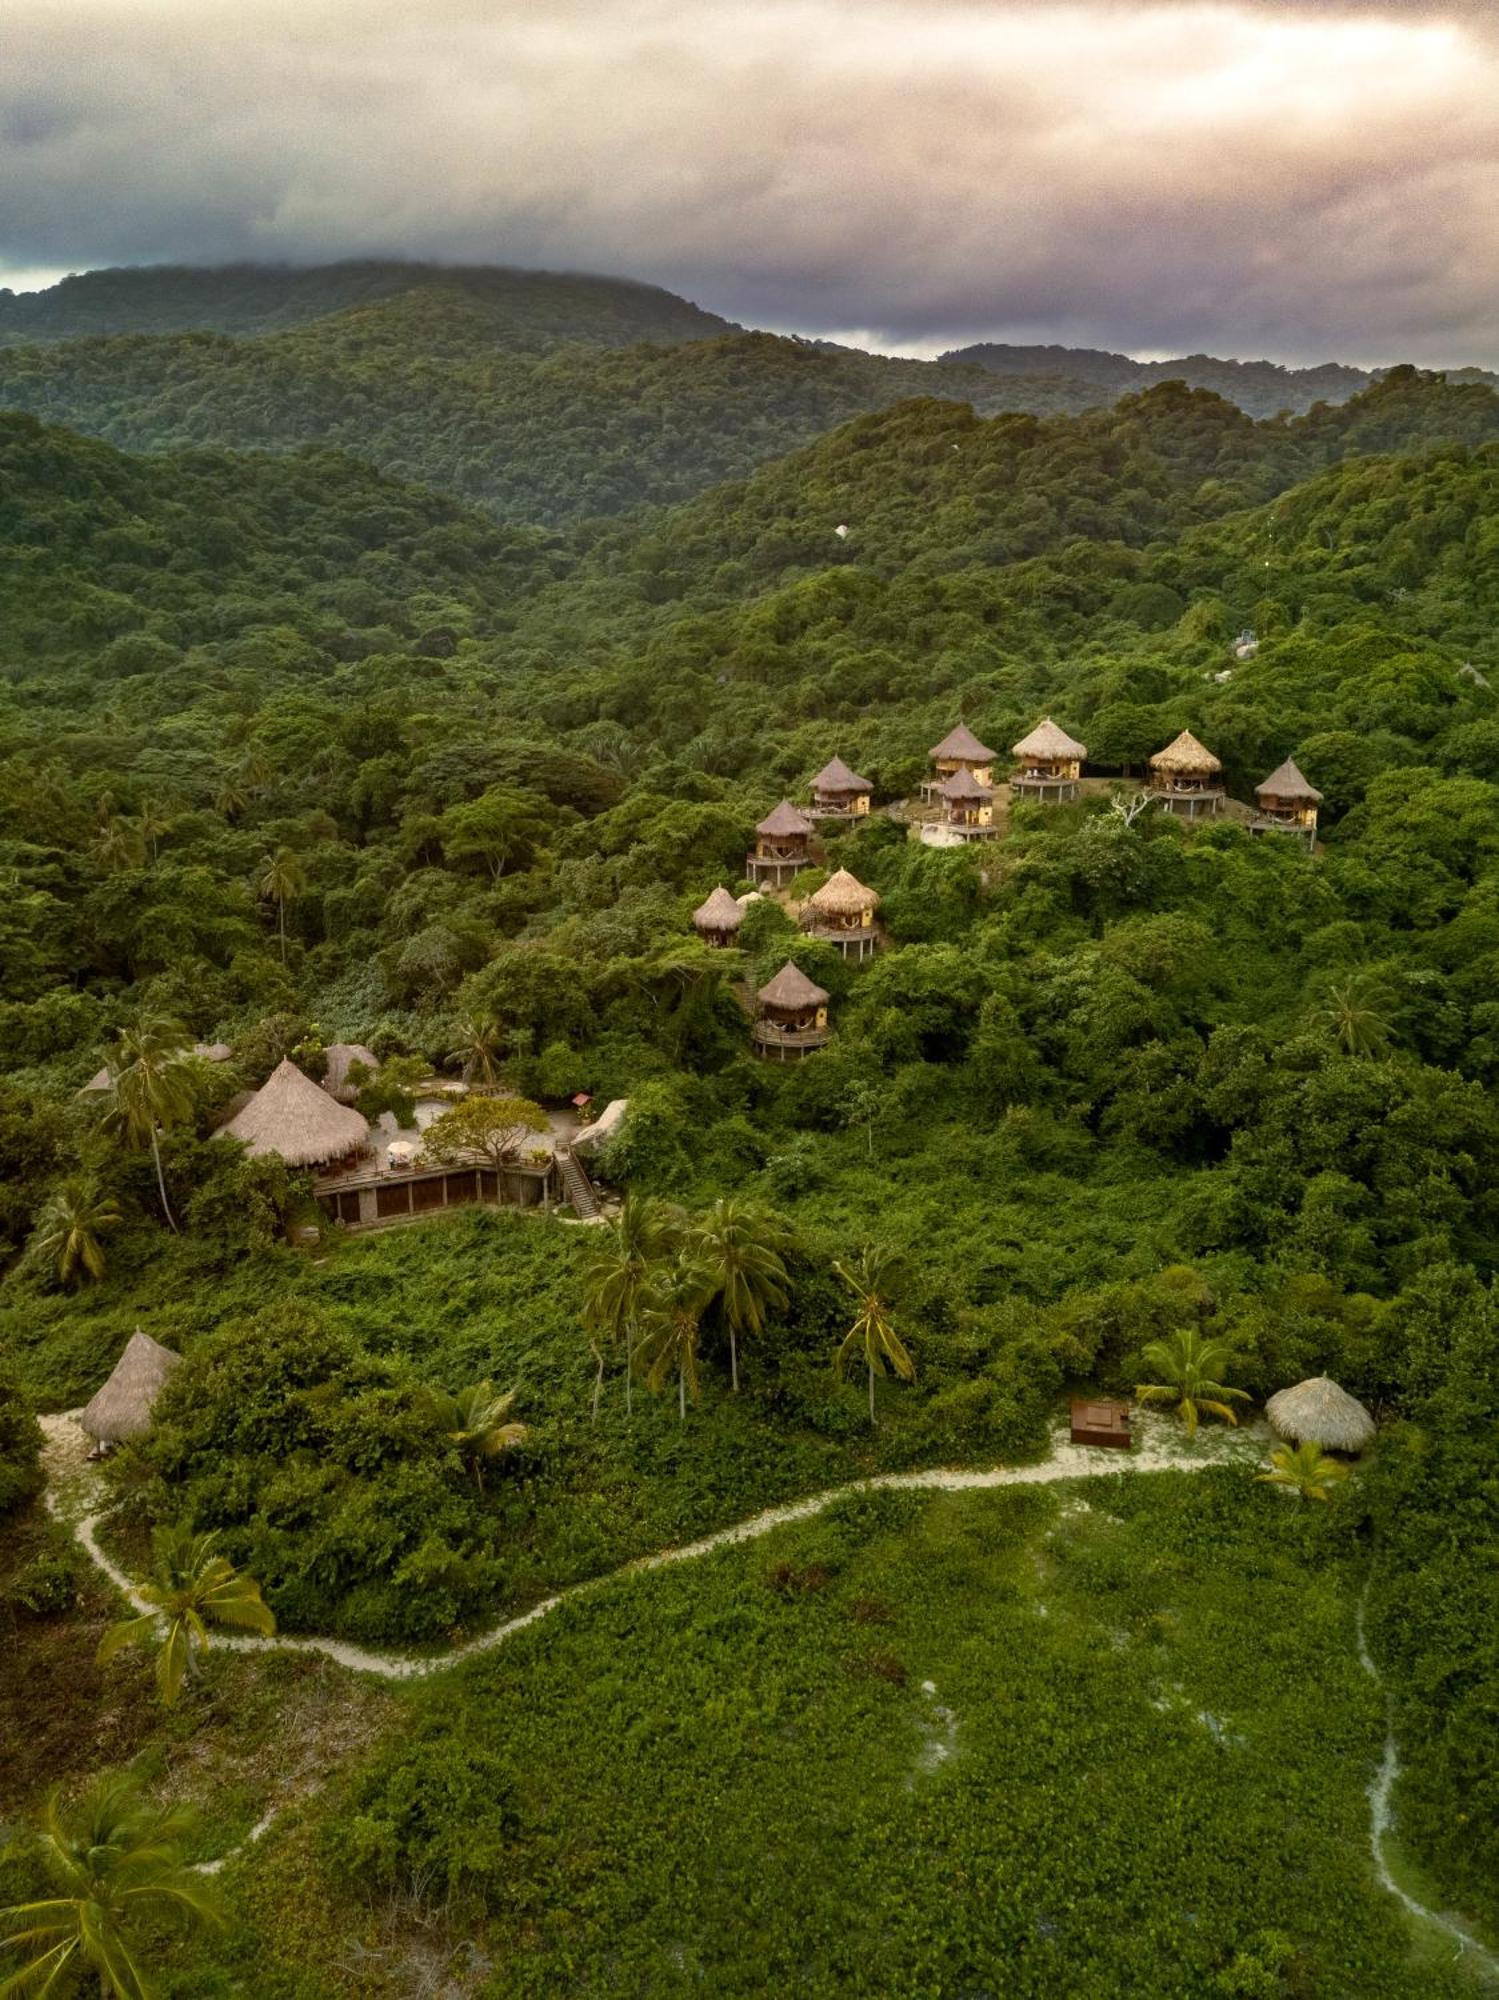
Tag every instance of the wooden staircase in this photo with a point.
(577, 1189)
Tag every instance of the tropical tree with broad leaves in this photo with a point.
(153, 1085)
(281, 880)
(671, 1319)
(193, 1587)
(1304, 1469)
(621, 1262)
(71, 1226)
(1189, 1366)
(872, 1338)
(477, 1421)
(117, 1868)
(743, 1248)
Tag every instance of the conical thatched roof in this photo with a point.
(844, 895)
(122, 1408)
(296, 1118)
(961, 742)
(719, 913)
(97, 1084)
(1186, 754)
(963, 788)
(785, 819)
(1286, 782)
(339, 1056)
(835, 776)
(1319, 1412)
(791, 988)
(1047, 740)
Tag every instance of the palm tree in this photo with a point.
(873, 1334)
(150, 824)
(193, 1587)
(671, 1314)
(1305, 1470)
(153, 1084)
(1353, 1011)
(70, 1225)
(620, 1264)
(742, 1245)
(1189, 1366)
(481, 1043)
(281, 881)
(116, 1865)
(118, 845)
(477, 1421)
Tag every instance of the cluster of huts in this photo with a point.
(1186, 779)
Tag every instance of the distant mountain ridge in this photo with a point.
(1262, 388)
(533, 307)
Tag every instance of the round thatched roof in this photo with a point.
(785, 819)
(719, 913)
(1186, 754)
(844, 895)
(835, 776)
(213, 1051)
(339, 1057)
(963, 788)
(296, 1118)
(1286, 782)
(1319, 1412)
(122, 1408)
(961, 742)
(791, 988)
(1046, 740)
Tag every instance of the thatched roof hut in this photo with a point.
(962, 745)
(122, 1408)
(340, 1056)
(1186, 755)
(784, 821)
(844, 895)
(100, 1082)
(212, 1051)
(292, 1116)
(791, 989)
(835, 777)
(964, 789)
(1286, 786)
(1319, 1412)
(719, 917)
(1048, 744)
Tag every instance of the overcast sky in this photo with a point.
(1307, 180)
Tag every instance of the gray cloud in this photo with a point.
(1299, 179)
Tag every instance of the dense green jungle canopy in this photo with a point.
(1113, 1074)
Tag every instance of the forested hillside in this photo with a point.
(295, 753)
(524, 308)
(442, 383)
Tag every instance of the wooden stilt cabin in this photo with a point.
(967, 806)
(782, 847)
(1187, 779)
(717, 921)
(1048, 764)
(1286, 803)
(793, 1016)
(959, 751)
(839, 793)
(841, 913)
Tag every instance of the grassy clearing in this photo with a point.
(1090, 1740)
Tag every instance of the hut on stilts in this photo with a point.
(841, 913)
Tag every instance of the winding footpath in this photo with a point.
(1160, 1449)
